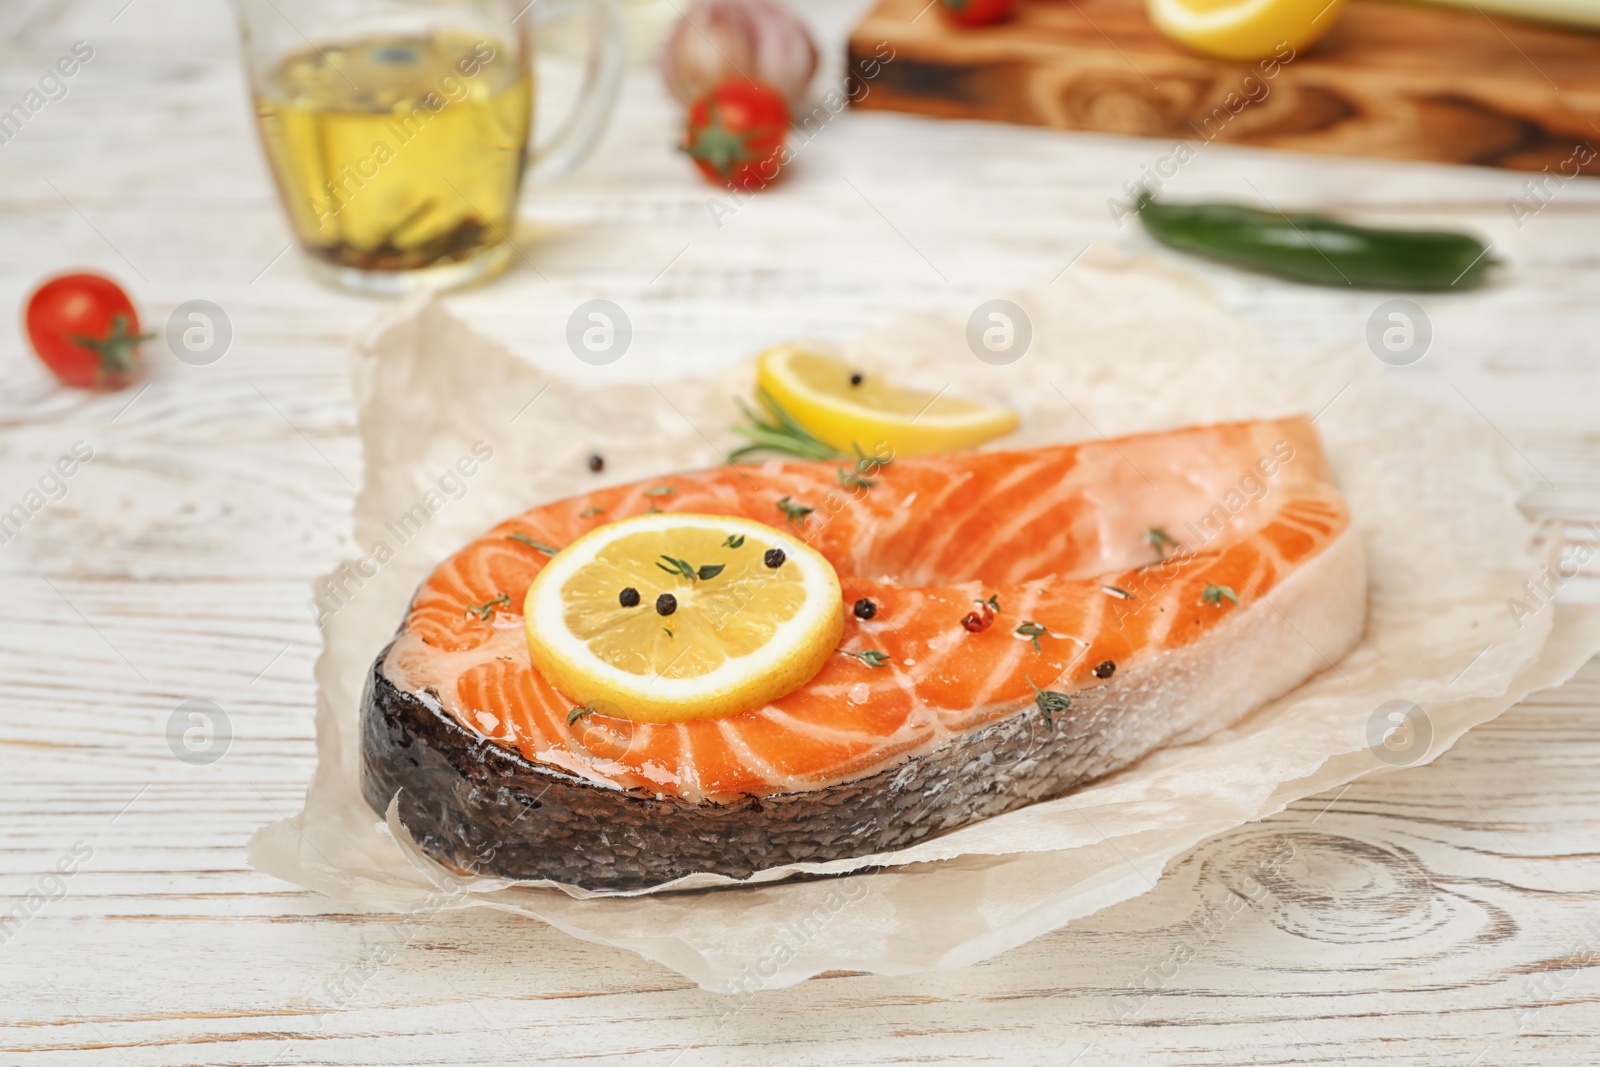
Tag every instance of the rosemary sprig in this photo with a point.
(1159, 540)
(871, 656)
(777, 431)
(1213, 594)
(486, 609)
(1032, 631)
(1049, 702)
(796, 512)
(548, 550)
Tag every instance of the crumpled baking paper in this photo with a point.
(1117, 347)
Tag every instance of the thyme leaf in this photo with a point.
(486, 609)
(577, 713)
(548, 550)
(864, 462)
(1159, 540)
(871, 656)
(685, 569)
(733, 541)
(1213, 594)
(590, 512)
(660, 490)
(680, 567)
(1032, 631)
(855, 480)
(795, 512)
(993, 603)
(1049, 702)
(865, 465)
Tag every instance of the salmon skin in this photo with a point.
(1049, 616)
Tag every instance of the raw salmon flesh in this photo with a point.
(1154, 588)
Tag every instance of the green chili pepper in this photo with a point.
(1318, 249)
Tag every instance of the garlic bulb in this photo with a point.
(759, 39)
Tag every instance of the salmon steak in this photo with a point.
(1049, 616)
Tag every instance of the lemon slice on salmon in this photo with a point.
(668, 617)
(851, 410)
(1246, 29)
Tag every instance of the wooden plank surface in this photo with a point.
(1399, 81)
(1436, 915)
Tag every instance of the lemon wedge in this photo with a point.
(668, 617)
(848, 409)
(1245, 29)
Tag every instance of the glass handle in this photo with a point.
(602, 80)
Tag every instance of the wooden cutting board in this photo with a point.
(1402, 81)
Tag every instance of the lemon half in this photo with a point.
(1246, 29)
(849, 409)
(740, 629)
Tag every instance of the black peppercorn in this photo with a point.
(597, 463)
(666, 604)
(865, 609)
(774, 557)
(855, 379)
(1105, 670)
(629, 597)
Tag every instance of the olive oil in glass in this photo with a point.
(400, 153)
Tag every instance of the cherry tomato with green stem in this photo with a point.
(85, 329)
(978, 12)
(736, 134)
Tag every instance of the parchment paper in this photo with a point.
(1118, 347)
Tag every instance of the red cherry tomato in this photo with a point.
(84, 328)
(978, 12)
(736, 133)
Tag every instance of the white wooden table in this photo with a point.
(1447, 914)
